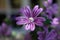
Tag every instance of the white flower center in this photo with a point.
(31, 19)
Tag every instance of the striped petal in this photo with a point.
(36, 11)
(39, 11)
(22, 20)
(39, 21)
(27, 27)
(30, 26)
(26, 11)
(52, 35)
(41, 35)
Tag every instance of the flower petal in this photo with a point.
(36, 11)
(35, 8)
(22, 20)
(26, 11)
(41, 35)
(20, 17)
(32, 28)
(50, 1)
(39, 11)
(49, 10)
(27, 27)
(38, 21)
(4, 26)
(52, 35)
(45, 3)
(55, 8)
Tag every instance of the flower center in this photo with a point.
(31, 19)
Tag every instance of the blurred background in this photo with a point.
(10, 8)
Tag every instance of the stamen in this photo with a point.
(31, 19)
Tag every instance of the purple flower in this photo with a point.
(51, 9)
(52, 35)
(5, 29)
(29, 18)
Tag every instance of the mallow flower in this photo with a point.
(5, 29)
(29, 17)
(51, 8)
(52, 35)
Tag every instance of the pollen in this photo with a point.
(31, 19)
